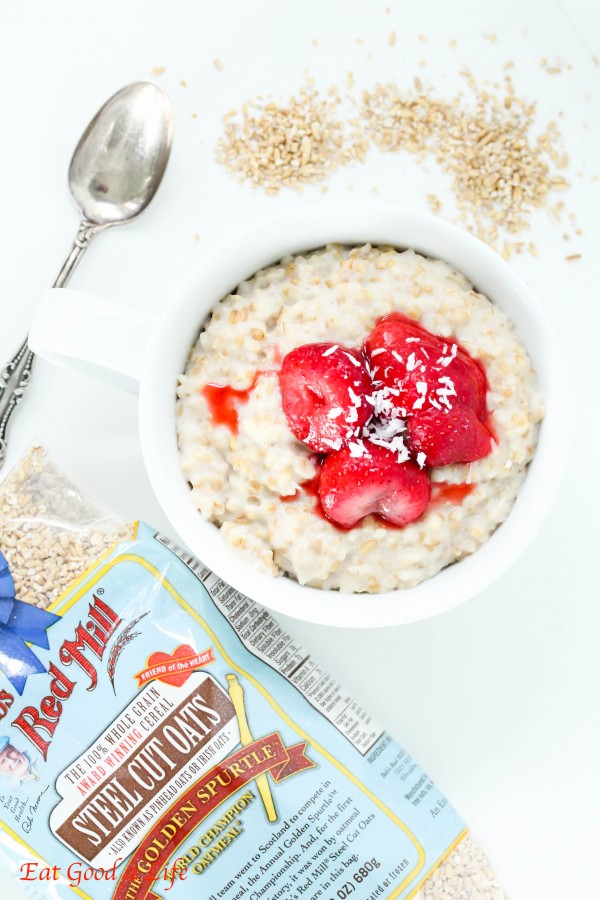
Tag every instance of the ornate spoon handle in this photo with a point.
(16, 374)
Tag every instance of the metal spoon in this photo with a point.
(115, 171)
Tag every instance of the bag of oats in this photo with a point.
(174, 740)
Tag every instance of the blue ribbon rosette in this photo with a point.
(20, 624)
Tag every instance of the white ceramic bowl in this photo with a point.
(158, 363)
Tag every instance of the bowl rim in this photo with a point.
(296, 231)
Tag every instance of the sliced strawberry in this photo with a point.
(470, 376)
(456, 436)
(352, 487)
(394, 329)
(426, 369)
(323, 390)
(460, 381)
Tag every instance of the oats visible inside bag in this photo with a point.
(50, 532)
(160, 732)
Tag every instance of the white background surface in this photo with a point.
(497, 699)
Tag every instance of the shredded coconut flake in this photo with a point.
(386, 433)
(335, 412)
(384, 430)
(383, 405)
(358, 449)
(445, 360)
(446, 391)
(422, 390)
(352, 359)
(356, 400)
(421, 457)
(403, 454)
(331, 350)
(377, 351)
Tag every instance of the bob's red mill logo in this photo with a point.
(39, 724)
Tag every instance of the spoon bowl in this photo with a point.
(115, 172)
(121, 157)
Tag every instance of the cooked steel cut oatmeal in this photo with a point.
(256, 481)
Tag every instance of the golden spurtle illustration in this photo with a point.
(236, 692)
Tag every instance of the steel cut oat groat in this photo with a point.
(170, 739)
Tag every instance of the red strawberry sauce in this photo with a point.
(310, 488)
(444, 492)
(223, 401)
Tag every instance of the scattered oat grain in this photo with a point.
(488, 141)
(501, 171)
(435, 204)
(275, 145)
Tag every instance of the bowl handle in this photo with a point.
(88, 334)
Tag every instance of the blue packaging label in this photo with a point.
(181, 744)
